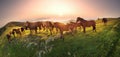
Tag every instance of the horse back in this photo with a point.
(61, 26)
(33, 25)
(92, 23)
(89, 23)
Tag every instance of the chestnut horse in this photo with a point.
(17, 31)
(22, 29)
(75, 25)
(32, 26)
(104, 20)
(45, 25)
(64, 27)
(48, 25)
(85, 23)
(40, 25)
(9, 37)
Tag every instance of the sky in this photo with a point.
(56, 10)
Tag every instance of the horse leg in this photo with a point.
(61, 36)
(31, 32)
(20, 34)
(105, 24)
(35, 31)
(72, 31)
(84, 30)
(9, 40)
(80, 28)
(43, 28)
(94, 28)
(50, 31)
(57, 30)
(14, 35)
(40, 28)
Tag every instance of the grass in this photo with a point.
(103, 43)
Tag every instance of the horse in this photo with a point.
(40, 25)
(48, 25)
(74, 25)
(32, 26)
(85, 23)
(64, 27)
(104, 20)
(17, 31)
(22, 29)
(9, 37)
(12, 33)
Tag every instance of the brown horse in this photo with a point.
(17, 31)
(74, 25)
(13, 33)
(32, 26)
(9, 37)
(22, 29)
(48, 25)
(85, 23)
(39, 24)
(64, 27)
(104, 20)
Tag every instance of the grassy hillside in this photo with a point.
(10, 24)
(103, 43)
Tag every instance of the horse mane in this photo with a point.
(80, 19)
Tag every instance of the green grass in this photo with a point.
(103, 43)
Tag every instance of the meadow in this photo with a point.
(103, 43)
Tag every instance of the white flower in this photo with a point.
(69, 53)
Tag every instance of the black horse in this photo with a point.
(104, 20)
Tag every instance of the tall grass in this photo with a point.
(103, 43)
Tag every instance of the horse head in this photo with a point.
(26, 24)
(104, 20)
(79, 19)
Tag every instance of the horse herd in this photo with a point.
(59, 27)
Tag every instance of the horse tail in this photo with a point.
(94, 27)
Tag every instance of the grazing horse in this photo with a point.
(104, 20)
(32, 26)
(64, 27)
(17, 31)
(85, 23)
(73, 26)
(40, 25)
(13, 33)
(48, 25)
(22, 29)
(9, 37)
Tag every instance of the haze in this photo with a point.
(56, 10)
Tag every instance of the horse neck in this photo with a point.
(83, 20)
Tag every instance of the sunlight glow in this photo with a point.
(60, 9)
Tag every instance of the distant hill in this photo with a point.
(10, 24)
